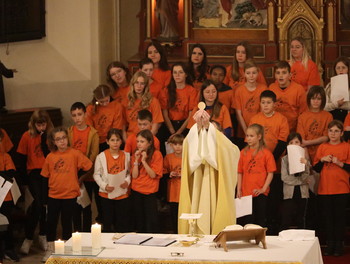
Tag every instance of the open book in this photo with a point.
(239, 227)
(143, 240)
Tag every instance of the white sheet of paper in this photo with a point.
(340, 87)
(5, 187)
(168, 148)
(3, 220)
(295, 153)
(190, 216)
(116, 180)
(244, 206)
(84, 199)
(15, 192)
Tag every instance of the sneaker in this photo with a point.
(11, 255)
(48, 252)
(26, 246)
(43, 242)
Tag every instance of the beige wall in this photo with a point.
(66, 65)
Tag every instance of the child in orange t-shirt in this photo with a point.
(112, 166)
(312, 124)
(172, 171)
(144, 121)
(32, 150)
(155, 88)
(84, 138)
(332, 161)
(118, 77)
(60, 172)
(291, 97)
(255, 172)
(6, 143)
(7, 172)
(104, 113)
(147, 169)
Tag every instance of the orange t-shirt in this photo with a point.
(224, 118)
(105, 118)
(186, 100)
(333, 179)
(226, 97)
(6, 143)
(275, 128)
(305, 77)
(312, 125)
(254, 169)
(80, 139)
(121, 94)
(173, 163)
(31, 147)
(144, 183)
(131, 144)
(234, 84)
(62, 170)
(155, 88)
(291, 102)
(131, 114)
(6, 164)
(114, 166)
(162, 77)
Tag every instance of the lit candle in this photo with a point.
(59, 247)
(96, 236)
(76, 242)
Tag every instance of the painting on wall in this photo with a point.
(344, 14)
(238, 14)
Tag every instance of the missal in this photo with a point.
(132, 239)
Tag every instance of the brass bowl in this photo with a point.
(188, 243)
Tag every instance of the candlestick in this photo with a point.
(76, 242)
(96, 236)
(59, 247)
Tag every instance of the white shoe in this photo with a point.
(49, 251)
(43, 242)
(26, 246)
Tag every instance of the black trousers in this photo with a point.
(334, 211)
(36, 212)
(174, 211)
(55, 208)
(116, 215)
(6, 237)
(145, 212)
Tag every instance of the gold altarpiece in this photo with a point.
(268, 27)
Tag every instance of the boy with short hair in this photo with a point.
(147, 66)
(291, 97)
(172, 171)
(144, 122)
(84, 138)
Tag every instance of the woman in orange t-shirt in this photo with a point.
(304, 71)
(60, 172)
(118, 77)
(255, 172)
(32, 150)
(140, 98)
(147, 169)
(114, 163)
(332, 161)
(198, 65)
(156, 53)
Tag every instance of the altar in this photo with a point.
(204, 251)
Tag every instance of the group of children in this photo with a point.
(112, 152)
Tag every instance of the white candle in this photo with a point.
(76, 242)
(96, 236)
(59, 247)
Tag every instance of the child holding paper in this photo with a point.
(340, 108)
(114, 163)
(295, 188)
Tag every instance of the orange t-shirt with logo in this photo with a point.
(333, 179)
(275, 128)
(31, 147)
(234, 84)
(131, 144)
(62, 170)
(131, 114)
(162, 77)
(155, 88)
(6, 164)
(226, 97)
(291, 102)
(312, 125)
(144, 183)
(305, 77)
(105, 118)
(5, 143)
(224, 118)
(254, 169)
(80, 139)
(173, 163)
(186, 100)
(121, 94)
